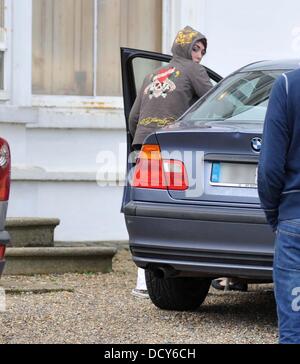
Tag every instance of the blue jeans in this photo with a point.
(286, 274)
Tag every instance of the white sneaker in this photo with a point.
(141, 293)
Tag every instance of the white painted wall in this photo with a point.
(239, 32)
(56, 171)
(87, 212)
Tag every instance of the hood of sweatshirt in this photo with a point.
(184, 42)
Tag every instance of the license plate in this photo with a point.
(234, 175)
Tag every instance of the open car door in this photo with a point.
(136, 64)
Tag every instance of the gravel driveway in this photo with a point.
(99, 308)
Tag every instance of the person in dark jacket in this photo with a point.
(279, 192)
(166, 94)
(169, 91)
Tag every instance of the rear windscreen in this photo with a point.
(242, 97)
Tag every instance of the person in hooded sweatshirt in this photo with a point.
(166, 94)
(170, 90)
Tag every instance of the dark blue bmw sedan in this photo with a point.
(191, 204)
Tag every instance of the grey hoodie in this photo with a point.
(169, 91)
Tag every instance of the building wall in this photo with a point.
(62, 110)
(72, 170)
(55, 141)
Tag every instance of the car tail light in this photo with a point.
(4, 170)
(2, 251)
(154, 172)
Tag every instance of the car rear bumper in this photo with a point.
(201, 240)
(4, 240)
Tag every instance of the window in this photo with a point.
(76, 43)
(63, 47)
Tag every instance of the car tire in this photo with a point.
(178, 294)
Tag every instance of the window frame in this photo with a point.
(96, 102)
(18, 69)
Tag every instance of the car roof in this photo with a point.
(284, 64)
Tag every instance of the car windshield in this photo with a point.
(241, 98)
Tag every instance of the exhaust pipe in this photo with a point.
(164, 272)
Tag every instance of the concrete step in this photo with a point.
(31, 232)
(118, 244)
(14, 287)
(29, 261)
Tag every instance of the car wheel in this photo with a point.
(178, 294)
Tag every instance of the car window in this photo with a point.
(241, 97)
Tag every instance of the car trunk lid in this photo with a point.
(221, 163)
